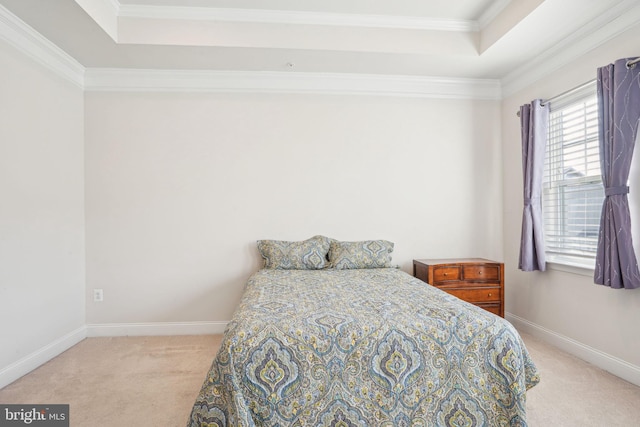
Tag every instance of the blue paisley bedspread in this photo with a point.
(363, 348)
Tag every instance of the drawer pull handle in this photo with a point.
(489, 294)
(446, 274)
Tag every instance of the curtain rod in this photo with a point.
(565, 93)
(630, 64)
(569, 92)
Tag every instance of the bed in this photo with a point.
(367, 345)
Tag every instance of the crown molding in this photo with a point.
(120, 80)
(16, 33)
(264, 16)
(607, 26)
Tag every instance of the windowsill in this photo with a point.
(570, 266)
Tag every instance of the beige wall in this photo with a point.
(180, 186)
(566, 307)
(42, 265)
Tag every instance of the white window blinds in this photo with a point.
(572, 183)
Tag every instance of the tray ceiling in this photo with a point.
(479, 39)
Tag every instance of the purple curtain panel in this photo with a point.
(618, 113)
(534, 123)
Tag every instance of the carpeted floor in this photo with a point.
(122, 381)
(573, 392)
(136, 381)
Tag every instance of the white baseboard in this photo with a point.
(39, 357)
(155, 328)
(616, 366)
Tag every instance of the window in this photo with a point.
(572, 182)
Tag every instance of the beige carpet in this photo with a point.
(575, 393)
(153, 381)
(123, 381)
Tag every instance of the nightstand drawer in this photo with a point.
(476, 280)
(446, 274)
(476, 295)
(481, 272)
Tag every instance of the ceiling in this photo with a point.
(478, 39)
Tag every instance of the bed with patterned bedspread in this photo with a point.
(363, 347)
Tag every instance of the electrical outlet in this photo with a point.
(98, 296)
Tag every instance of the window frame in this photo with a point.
(575, 252)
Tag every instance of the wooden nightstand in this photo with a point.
(475, 280)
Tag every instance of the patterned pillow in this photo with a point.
(310, 254)
(365, 254)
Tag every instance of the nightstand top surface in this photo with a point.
(432, 261)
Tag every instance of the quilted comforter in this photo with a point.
(372, 347)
